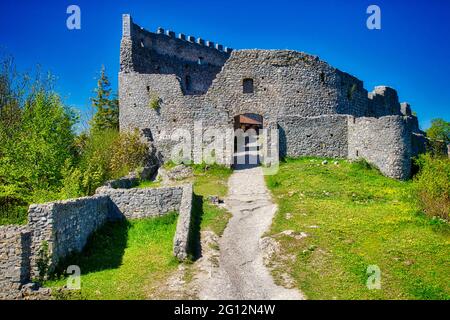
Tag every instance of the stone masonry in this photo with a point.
(65, 226)
(318, 109)
(14, 260)
(141, 203)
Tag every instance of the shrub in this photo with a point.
(13, 205)
(128, 154)
(95, 159)
(432, 185)
(106, 155)
(154, 101)
(72, 182)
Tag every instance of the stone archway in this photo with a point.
(246, 148)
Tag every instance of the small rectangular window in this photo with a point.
(247, 85)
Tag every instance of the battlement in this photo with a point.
(193, 60)
(132, 30)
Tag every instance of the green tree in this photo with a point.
(34, 154)
(439, 130)
(106, 105)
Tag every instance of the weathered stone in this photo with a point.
(182, 234)
(318, 109)
(180, 172)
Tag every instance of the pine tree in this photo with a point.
(105, 104)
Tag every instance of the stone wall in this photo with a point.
(181, 240)
(14, 260)
(139, 203)
(384, 142)
(308, 100)
(303, 139)
(194, 60)
(65, 225)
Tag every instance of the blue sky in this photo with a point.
(410, 53)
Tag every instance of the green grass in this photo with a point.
(149, 184)
(211, 180)
(125, 260)
(355, 217)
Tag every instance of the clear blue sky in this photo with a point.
(410, 53)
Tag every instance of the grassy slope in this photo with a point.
(362, 219)
(123, 260)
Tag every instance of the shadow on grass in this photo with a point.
(104, 250)
(195, 247)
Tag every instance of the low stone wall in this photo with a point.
(184, 227)
(142, 203)
(65, 226)
(123, 183)
(14, 260)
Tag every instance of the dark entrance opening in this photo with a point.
(247, 128)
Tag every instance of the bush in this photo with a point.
(128, 154)
(432, 185)
(13, 207)
(154, 101)
(104, 155)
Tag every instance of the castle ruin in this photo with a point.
(317, 109)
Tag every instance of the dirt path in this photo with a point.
(239, 272)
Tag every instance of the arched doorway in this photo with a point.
(247, 127)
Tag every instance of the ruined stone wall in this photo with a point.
(182, 236)
(384, 142)
(139, 203)
(302, 137)
(287, 86)
(383, 101)
(193, 60)
(306, 98)
(14, 260)
(65, 225)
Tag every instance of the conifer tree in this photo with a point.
(106, 105)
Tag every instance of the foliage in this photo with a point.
(43, 261)
(41, 158)
(355, 217)
(432, 185)
(439, 130)
(128, 153)
(154, 101)
(36, 140)
(106, 105)
(72, 181)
